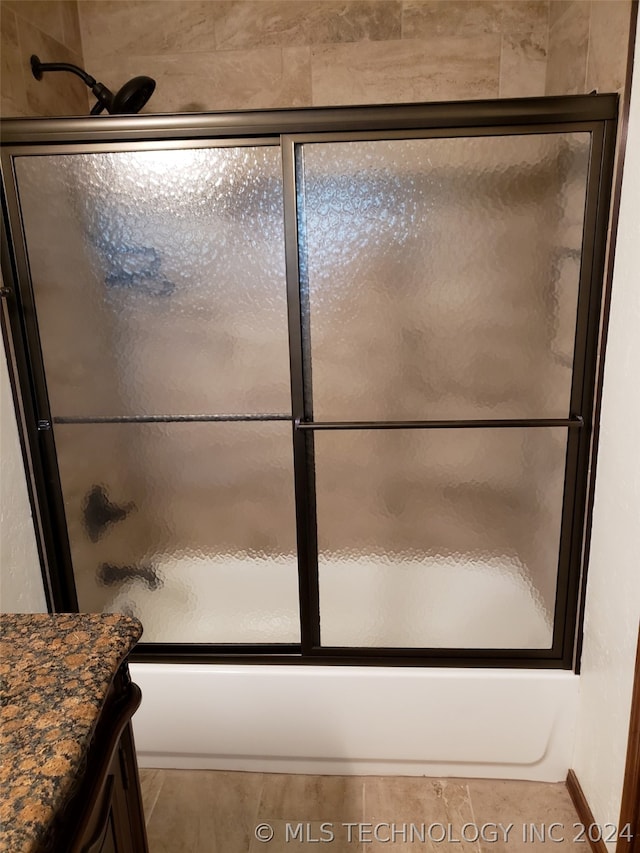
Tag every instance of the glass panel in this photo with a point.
(159, 280)
(442, 274)
(190, 527)
(439, 538)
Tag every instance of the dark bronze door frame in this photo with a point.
(594, 114)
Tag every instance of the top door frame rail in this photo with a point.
(596, 114)
(446, 114)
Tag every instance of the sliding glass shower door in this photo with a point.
(440, 280)
(159, 283)
(315, 383)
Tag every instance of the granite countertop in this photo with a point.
(55, 672)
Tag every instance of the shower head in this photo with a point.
(129, 99)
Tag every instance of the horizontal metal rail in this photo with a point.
(574, 422)
(168, 419)
(440, 114)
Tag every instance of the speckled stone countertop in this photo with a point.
(55, 672)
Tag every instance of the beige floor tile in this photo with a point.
(204, 812)
(150, 784)
(220, 812)
(294, 836)
(305, 811)
(311, 798)
(524, 804)
(407, 810)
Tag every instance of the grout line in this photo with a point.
(312, 98)
(256, 812)
(473, 815)
(79, 19)
(155, 800)
(548, 47)
(23, 94)
(586, 61)
(364, 814)
(252, 823)
(258, 800)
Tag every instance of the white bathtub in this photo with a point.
(511, 724)
(363, 720)
(472, 602)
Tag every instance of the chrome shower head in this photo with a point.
(129, 99)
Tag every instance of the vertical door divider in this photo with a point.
(301, 409)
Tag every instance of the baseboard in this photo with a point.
(630, 807)
(584, 810)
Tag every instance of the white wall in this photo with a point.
(21, 587)
(613, 588)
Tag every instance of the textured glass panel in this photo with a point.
(442, 274)
(439, 538)
(159, 280)
(190, 527)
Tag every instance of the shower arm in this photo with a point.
(102, 93)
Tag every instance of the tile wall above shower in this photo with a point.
(587, 46)
(259, 54)
(52, 31)
(248, 54)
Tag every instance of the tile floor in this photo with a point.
(201, 811)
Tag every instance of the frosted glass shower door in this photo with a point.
(160, 294)
(439, 283)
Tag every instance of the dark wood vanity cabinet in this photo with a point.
(106, 814)
(69, 771)
(116, 821)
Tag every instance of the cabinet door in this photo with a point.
(108, 832)
(117, 824)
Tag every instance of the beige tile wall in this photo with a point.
(608, 36)
(587, 46)
(258, 54)
(224, 55)
(51, 30)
